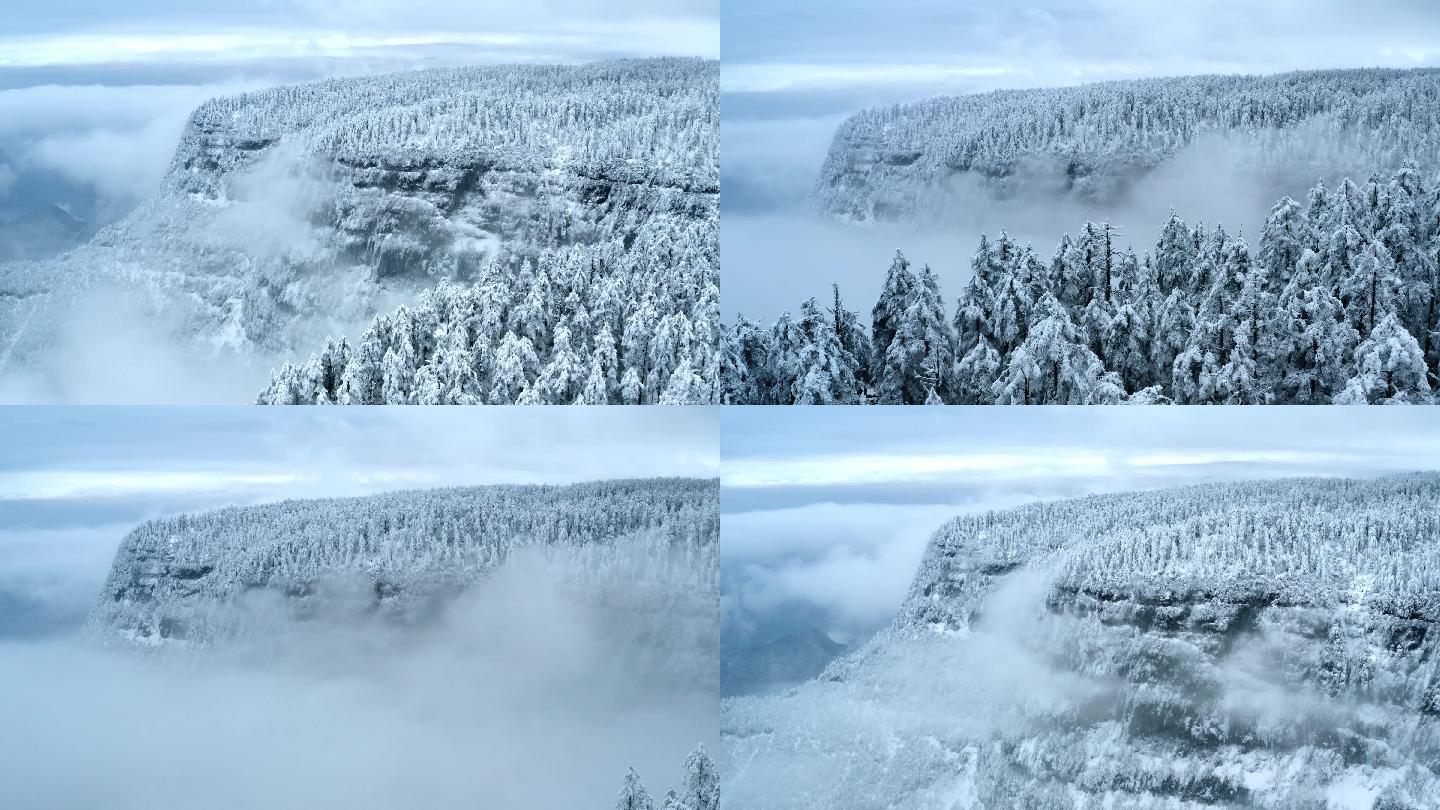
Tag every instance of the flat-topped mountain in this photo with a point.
(588, 195)
(207, 578)
(906, 162)
(1241, 645)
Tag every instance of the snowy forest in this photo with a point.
(564, 331)
(700, 790)
(1094, 142)
(1260, 644)
(570, 211)
(609, 294)
(1337, 302)
(178, 579)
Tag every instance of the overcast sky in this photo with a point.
(810, 44)
(73, 481)
(68, 32)
(826, 511)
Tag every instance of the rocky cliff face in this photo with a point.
(214, 577)
(926, 161)
(1261, 645)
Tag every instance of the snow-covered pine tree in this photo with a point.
(562, 379)
(1129, 338)
(702, 781)
(1174, 256)
(1311, 342)
(600, 381)
(1284, 239)
(632, 391)
(746, 365)
(515, 369)
(854, 341)
(1096, 251)
(1369, 286)
(1248, 376)
(975, 323)
(1196, 372)
(826, 371)
(1389, 368)
(1009, 307)
(1053, 365)
(921, 354)
(685, 387)
(885, 316)
(633, 795)
(364, 376)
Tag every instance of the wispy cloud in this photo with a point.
(86, 48)
(781, 76)
(786, 46)
(677, 37)
(101, 453)
(866, 468)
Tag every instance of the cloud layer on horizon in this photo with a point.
(913, 44)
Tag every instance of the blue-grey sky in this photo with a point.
(73, 481)
(826, 511)
(818, 44)
(72, 32)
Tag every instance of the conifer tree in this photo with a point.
(702, 781)
(884, 318)
(826, 372)
(854, 341)
(1282, 242)
(633, 795)
(1311, 341)
(1280, 326)
(1390, 368)
(515, 367)
(1054, 366)
(1174, 256)
(560, 381)
(922, 342)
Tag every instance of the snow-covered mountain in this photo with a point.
(214, 577)
(906, 162)
(1263, 645)
(295, 213)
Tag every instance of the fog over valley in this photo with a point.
(192, 611)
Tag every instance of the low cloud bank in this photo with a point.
(525, 693)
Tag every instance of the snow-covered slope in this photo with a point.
(207, 578)
(1248, 645)
(294, 213)
(906, 162)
